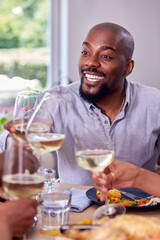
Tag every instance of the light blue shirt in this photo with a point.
(134, 132)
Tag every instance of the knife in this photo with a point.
(63, 228)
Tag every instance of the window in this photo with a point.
(24, 53)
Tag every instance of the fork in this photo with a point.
(134, 197)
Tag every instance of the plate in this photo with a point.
(91, 194)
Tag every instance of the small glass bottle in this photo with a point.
(49, 176)
(49, 179)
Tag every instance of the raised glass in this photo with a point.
(95, 157)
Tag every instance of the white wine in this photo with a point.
(35, 128)
(47, 142)
(22, 185)
(94, 160)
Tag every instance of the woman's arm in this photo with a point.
(121, 174)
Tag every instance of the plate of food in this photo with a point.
(120, 196)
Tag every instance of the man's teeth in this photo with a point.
(93, 78)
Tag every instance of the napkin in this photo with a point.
(79, 200)
(153, 201)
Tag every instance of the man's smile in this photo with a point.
(93, 78)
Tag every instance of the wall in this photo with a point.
(140, 17)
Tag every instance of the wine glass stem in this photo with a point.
(106, 203)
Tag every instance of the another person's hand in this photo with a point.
(18, 215)
(118, 174)
(31, 162)
(10, 127)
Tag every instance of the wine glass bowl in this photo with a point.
(20, 172)
(94, 159)
(41, 141)
(36, 127)
(23, 110)
(88, 155)
(46, 142)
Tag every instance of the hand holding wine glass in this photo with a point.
(20, 172)
(95, 158)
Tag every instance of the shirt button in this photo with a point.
(105, 122)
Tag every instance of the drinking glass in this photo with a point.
(55, 208)
(49, 141)
(20, 172)
(23, 110)
(43, 142)
(95, 157)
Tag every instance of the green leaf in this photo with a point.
(3, 120)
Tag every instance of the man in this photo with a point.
(128, 112)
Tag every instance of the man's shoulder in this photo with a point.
(73, 87)
(145, 90)
(146, 95)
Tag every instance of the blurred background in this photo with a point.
(40, 42)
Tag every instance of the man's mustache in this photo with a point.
(91, 69)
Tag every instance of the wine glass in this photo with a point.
(95, 157)
(20, 176)
(23, 110)
(49, 141)
(44, 142)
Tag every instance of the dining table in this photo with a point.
(74, 217)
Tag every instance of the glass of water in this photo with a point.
(55, 208)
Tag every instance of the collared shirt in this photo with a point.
(134, 132)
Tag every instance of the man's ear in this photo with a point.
(129, 67)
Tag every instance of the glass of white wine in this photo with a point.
(23, 110)
(95, 157)
(43, 142)
(20, 176)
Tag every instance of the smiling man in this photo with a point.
(104, 63)
(108, 103)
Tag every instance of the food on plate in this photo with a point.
(96, 234)
(112, 193)
(124, 227)
(56, 231)
(115, 196)
(138, 227)
(98, 194)
(52, 232)
(86, 221)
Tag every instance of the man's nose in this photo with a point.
(92, 61)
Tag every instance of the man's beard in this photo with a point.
(95, 97)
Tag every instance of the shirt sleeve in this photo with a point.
(3, 137)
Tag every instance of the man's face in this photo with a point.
(101, 66)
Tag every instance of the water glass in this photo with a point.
(55, 208)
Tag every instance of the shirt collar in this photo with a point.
(91, 106)
(127, 88)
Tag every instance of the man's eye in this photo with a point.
(107, 57)
(84, 52)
